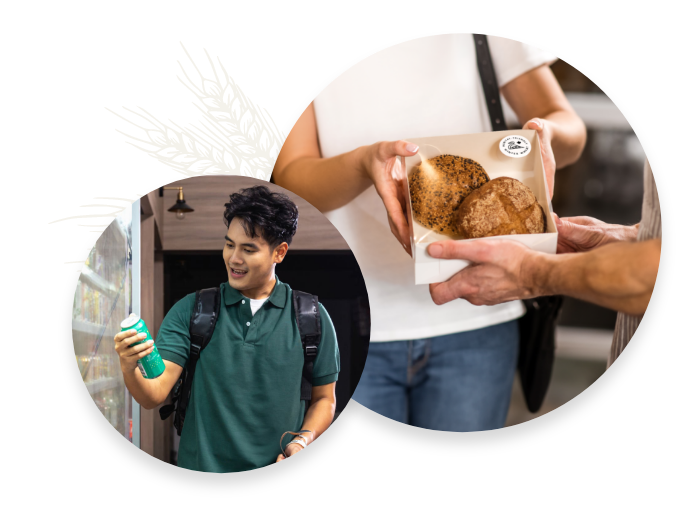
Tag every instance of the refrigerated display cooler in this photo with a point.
(105, 295)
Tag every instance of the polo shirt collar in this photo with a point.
(278, 297)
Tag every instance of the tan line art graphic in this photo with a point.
(234, 136)
(111, 215)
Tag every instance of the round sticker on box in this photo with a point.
(515, 146)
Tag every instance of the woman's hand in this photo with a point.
(545, 135)
(381, 165)
(540, 104)
(332, 182)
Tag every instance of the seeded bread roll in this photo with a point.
(438, 187)
(503, 206)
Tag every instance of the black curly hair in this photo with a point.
(273, 215)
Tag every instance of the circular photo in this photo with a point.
(221, 324)
(503, 214)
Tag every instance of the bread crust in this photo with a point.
(503, 206)
(438, 187)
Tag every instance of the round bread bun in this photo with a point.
(438, 187)
(503, 206)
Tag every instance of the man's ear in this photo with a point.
(279, 252)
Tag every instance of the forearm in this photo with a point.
(619, 276)
(326, 183)
(147, 392)
(568, 136)
(537, 94)
(318, 418)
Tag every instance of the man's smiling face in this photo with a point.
(250, 261)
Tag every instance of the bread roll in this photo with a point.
(438, 187)
(502, 206)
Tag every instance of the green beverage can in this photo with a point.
(152, 365)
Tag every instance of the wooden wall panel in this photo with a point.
(157, 204)
(147, 313)
(147, 270)
(203, 229)
(161, 428)
(154, 432)
(146, 209)
(158, 291)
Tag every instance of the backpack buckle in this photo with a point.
(310, 351)
(194, 350)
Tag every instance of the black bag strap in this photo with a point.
(202, 324)
(537, 327)
(487, 74)
(537, 348)
(308, 321)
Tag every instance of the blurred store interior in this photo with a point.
(606, 183)
(150, 258)
(102, 300)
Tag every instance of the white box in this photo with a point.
(484, 149)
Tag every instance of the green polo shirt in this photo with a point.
(247, 384)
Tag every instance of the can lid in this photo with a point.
(130, 321)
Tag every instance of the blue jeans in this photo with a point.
(458, 382)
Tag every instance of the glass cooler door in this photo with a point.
(103, 299)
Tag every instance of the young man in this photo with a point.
(247, 384)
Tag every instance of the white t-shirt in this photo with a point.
(424, 87)
(256, 304)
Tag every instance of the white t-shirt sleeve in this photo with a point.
(511, 59)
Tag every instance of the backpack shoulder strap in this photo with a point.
(202, 325)
(308, 321)
(204, 317)
(487, 74)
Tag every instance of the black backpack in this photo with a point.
(202, 325)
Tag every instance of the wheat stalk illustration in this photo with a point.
(99, 227)
(234, 135)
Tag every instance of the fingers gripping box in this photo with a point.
(519, 157)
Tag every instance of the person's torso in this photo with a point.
(246, 390)
(424, 87)
(650, 228)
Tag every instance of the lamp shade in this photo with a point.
(180, 205)
(180, 208)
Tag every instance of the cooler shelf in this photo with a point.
(102, 384)
(90, 328)
(97, 281)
